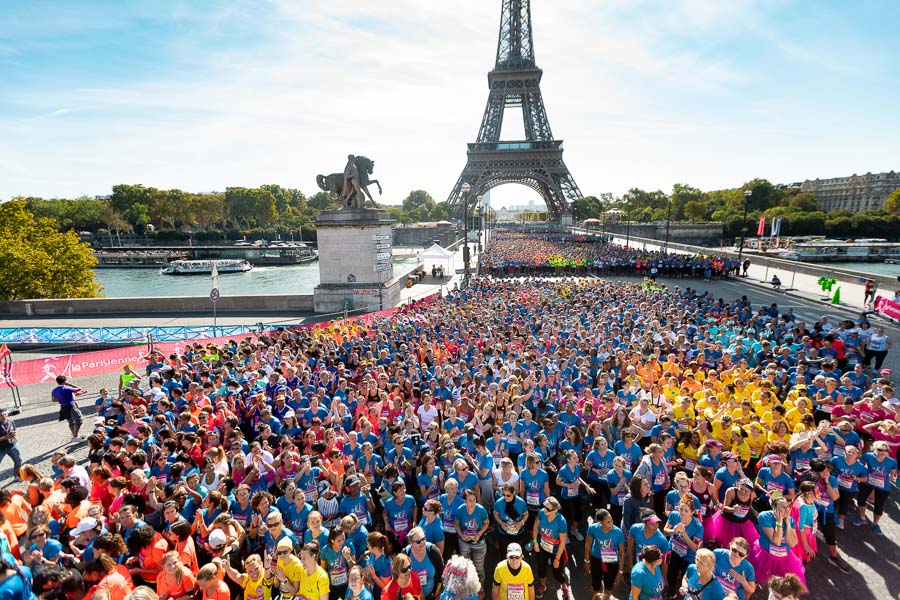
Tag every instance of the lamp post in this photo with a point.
(627, 223)
(466, 189)
(748, 195)
(668, 219)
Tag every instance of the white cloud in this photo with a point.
(644, 94)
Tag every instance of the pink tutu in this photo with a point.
(767, 565)
(800, 551)
(722, 531)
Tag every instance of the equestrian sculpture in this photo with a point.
(351, 186)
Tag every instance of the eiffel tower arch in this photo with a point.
(536, 161)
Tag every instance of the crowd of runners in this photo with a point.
(486, 443)
(515, 254)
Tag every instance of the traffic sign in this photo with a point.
(214, 294)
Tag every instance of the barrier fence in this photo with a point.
(115, 335)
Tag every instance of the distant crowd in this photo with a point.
(516, 254)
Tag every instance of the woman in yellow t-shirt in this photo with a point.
(756, 440)
(314, 581)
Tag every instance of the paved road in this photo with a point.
(875, 560)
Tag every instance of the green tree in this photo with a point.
(892, 203)
(417, 199)
(321, 201)
(682, 193)
(587, 207)
(804, 201)
(695, 210)
(37, 261)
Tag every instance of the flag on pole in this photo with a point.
(776, 227)
(761, 230)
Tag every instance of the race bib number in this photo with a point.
(802, 463)
(741, 511)
(660, 479)
(401, 524)
(533, 497)
(771, 486)
(876, 481)
(608, 555)
(547, 542)
(845, 481)
(679, 547)
(449, 525)
(839, 451)
(621, 496)
(690, 464)
(339, 577)
(423, 576)
(515, 591)
(628, 459)
(778, 551)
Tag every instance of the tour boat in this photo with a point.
(204, 267)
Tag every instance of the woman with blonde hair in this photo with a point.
(175, 581)
(699, 582)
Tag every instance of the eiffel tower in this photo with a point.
(535, 161)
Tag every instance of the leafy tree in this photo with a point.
(138, 215)
(804, 201)
(417, 199)
(892, 203)
(682, 193)
(695, 210)
(588, 207)
(37, 261)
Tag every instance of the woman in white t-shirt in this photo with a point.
(505, 473)
(427, 412)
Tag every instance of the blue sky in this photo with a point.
(204, 95)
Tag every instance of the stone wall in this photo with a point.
(703, 234)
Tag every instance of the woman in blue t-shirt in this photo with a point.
(604, 557)
(882, 470)
(685, 535)
(771, 553)
(849, 472)
(699, 582)
(647, 580)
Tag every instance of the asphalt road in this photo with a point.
(875, 560)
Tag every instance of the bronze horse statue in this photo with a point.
(334, 184)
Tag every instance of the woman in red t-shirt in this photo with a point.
(402, 581)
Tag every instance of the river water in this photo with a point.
(292, 279)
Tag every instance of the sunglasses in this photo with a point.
(405, 570)
(273, 523)
(738, 553)
(283, 552)
(418, 541)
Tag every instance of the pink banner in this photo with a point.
(86, 364)
(887, 307)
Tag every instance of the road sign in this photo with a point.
(383, 246)
(214, 294)
(382, 267)
(382, 237)
(382, 256)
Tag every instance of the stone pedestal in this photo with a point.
(355, 261)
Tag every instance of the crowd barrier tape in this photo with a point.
(87, 364)
(887, 307)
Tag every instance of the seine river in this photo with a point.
(293, 279)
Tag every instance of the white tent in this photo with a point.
(436, 256)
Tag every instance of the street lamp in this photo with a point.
(748, 195)
(466, 189)
(668, 219)
(627, 223)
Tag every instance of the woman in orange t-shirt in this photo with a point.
(209, 583)
(175, 581)
(147, 548)
(16, 510)
(111, 579)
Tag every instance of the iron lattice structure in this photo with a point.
(537, 160)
